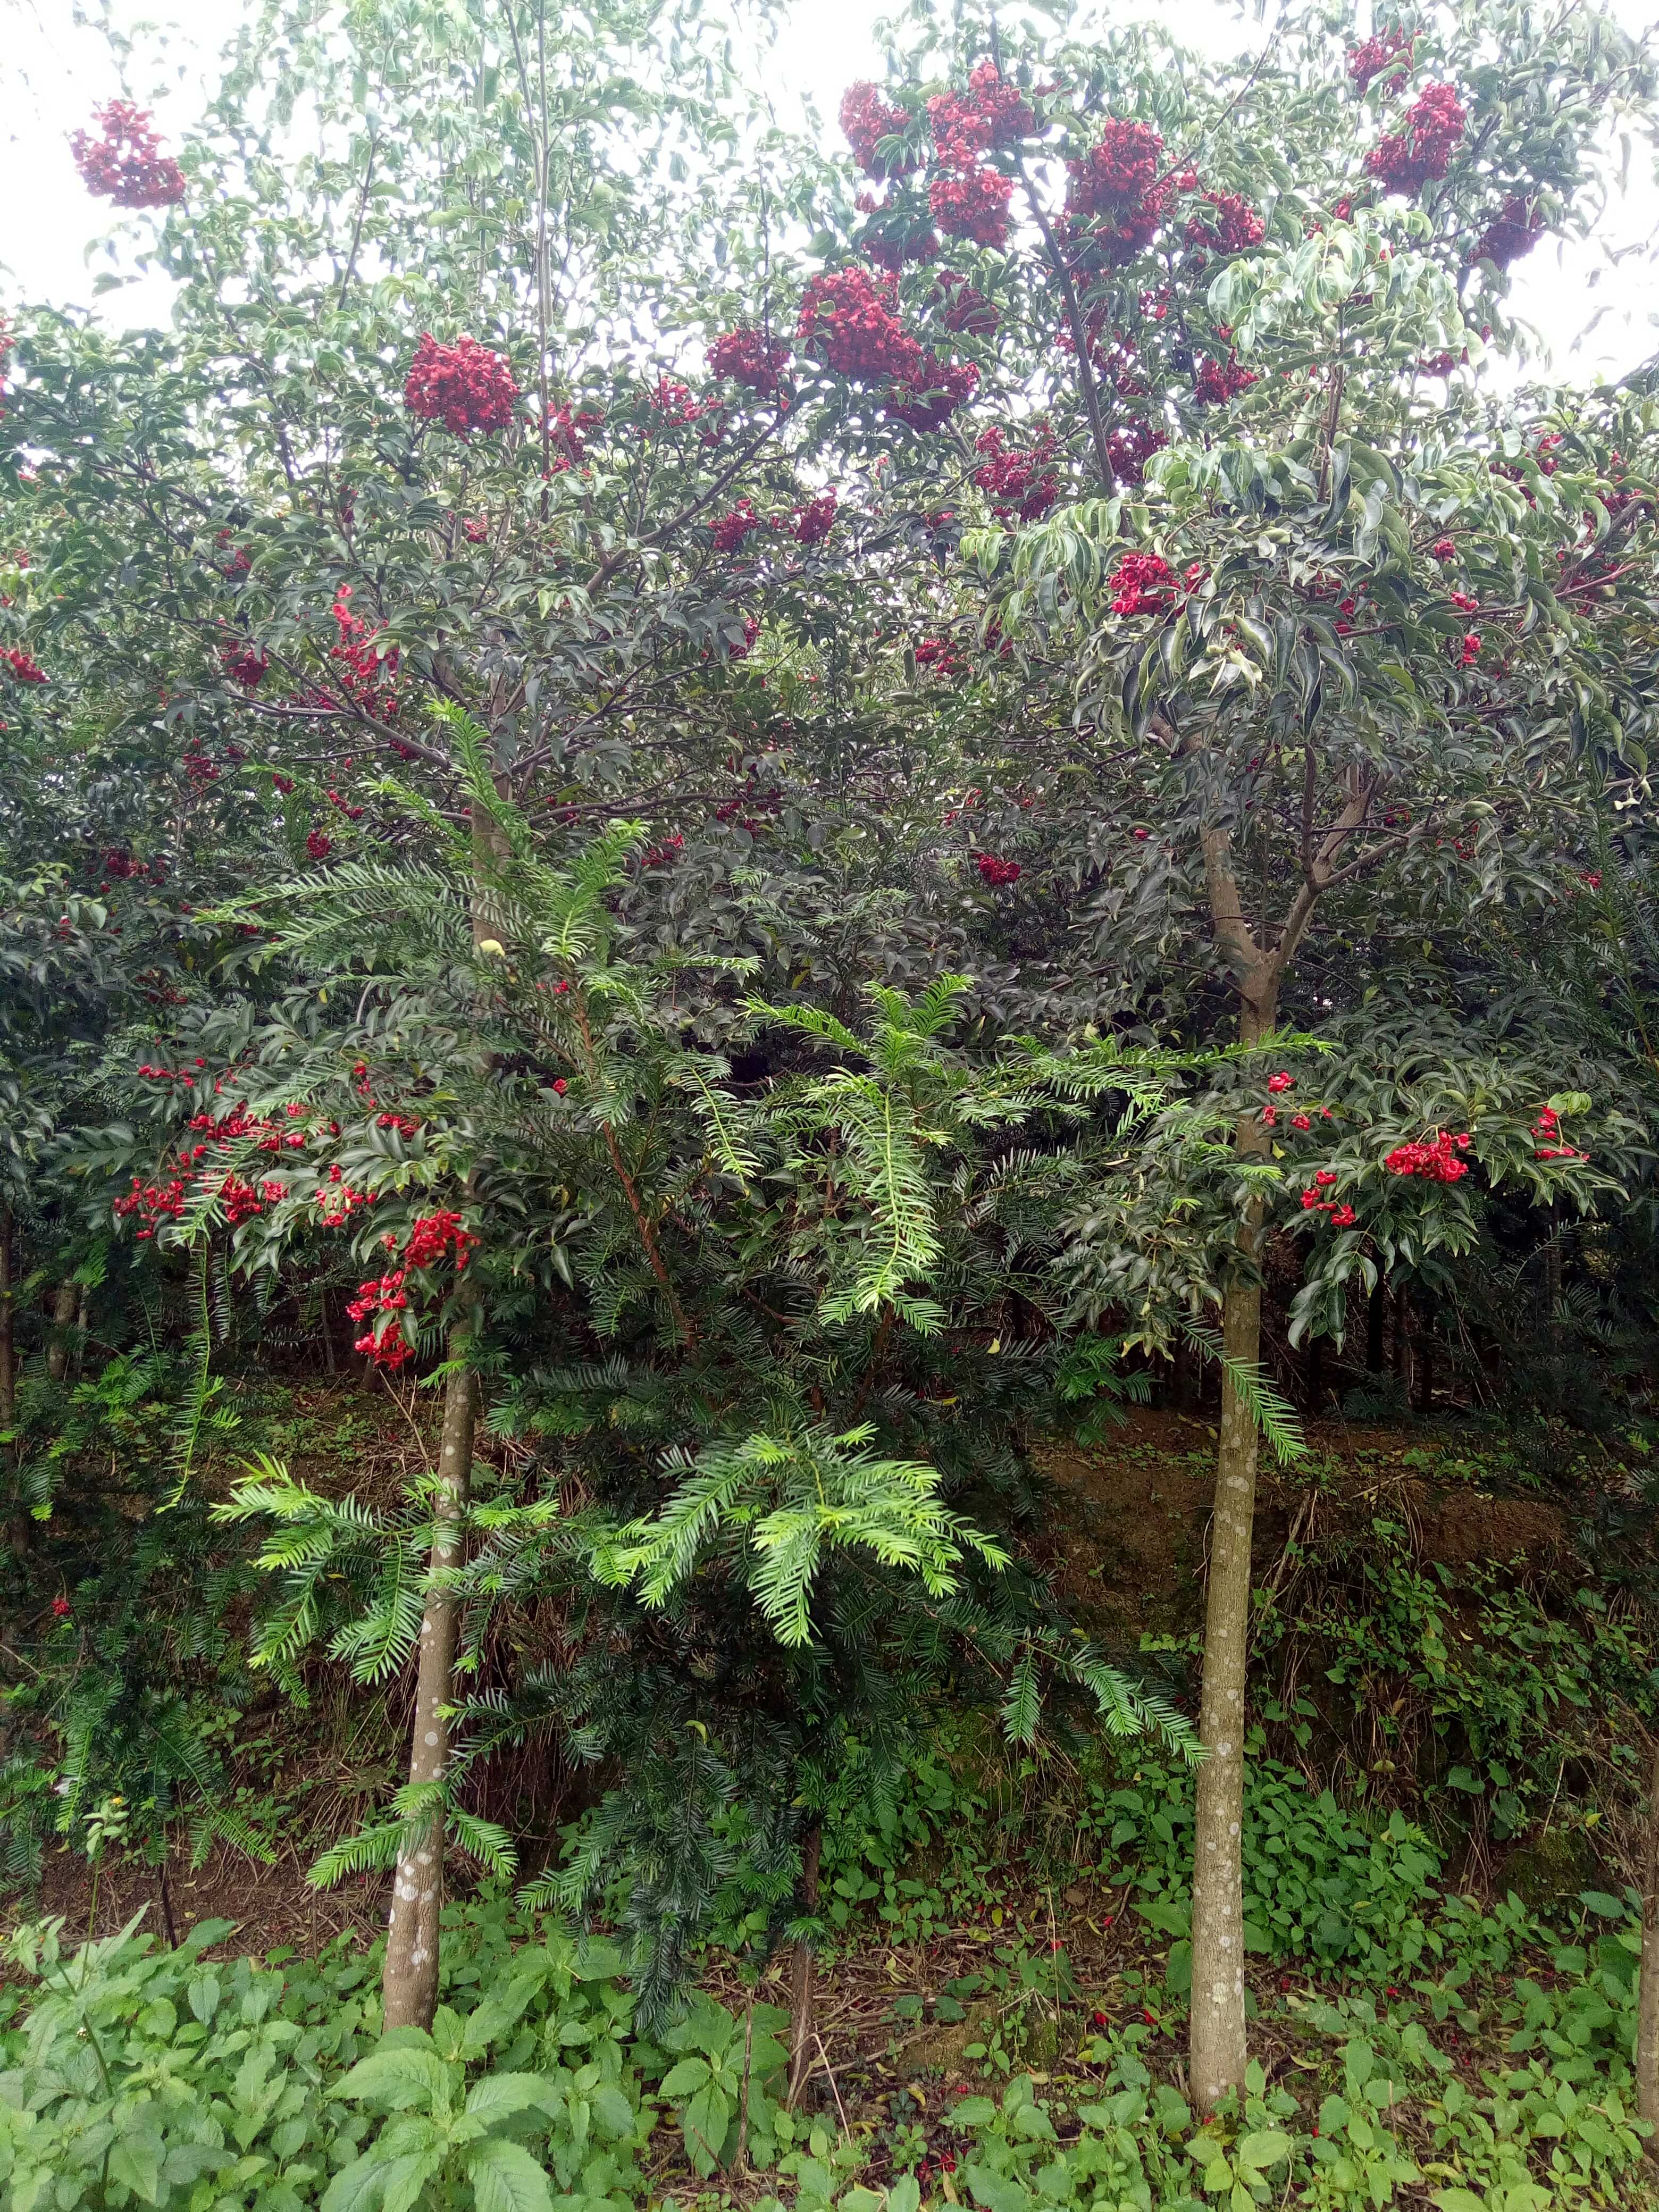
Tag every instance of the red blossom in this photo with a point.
(813, 522)
(996, 872)
(1443, 549)
(940, 655)
(1116, 190)
(1021, 483)
(867, 119)
(1369, 60)
(1435, 1160)
(927, 399)
(729, 529)
(1145, 583)
(749, 358)
(972, 203)
(1405, 160)
(23, 666)
(1216, 382)
(247, 665)
(1130, 446)
(319, 845)
(60, 1608)
(848, 317)
(1470, 651)
(365, 667)
(465, 386)
(1226, 224)
(127, 165)
(1515, 230)
(990, 113)
(964, 309)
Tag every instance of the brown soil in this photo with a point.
(1126, 1544)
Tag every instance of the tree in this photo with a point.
(1320, 616)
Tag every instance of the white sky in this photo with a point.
(1595, 311)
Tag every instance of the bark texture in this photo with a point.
(803, 1979)
(65, 1303)
(1647, 2011)
(1217, 2055)
(409, 1984)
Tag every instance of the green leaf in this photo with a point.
(497, 2094)
(1264, 2148)
(400, 2077)
(505, 2177)
(135, 2161)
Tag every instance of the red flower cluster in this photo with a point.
(972, 203)
(1146, 584)
(748, 358)
(1547, 1131)
(813, 522)
(366, 668)
(1465, 603)
(990, 113)
(1218, 381)
(965, 309)
(1226, 223)
(1435, 1162)
(750, 632)
(938, 654)
(731, 529)
(1282, 1081)
(659, 856)
(247, 665)
(23, 664)
(905, 239)
(928, 400)
(997, 872)
(475, 528)
(382, 1295)
(153, 1202)
(317, 845)
(567, 434)
(1510, 234)
(1130, 447)
(435, 1235)
(1378, 53)
(1469, 650)
(673, 399)
(1314, 1201)
(1442, 548)
(848, 317)
(127, 164)
(465, 386)
(867, 118)
(1116, 188)
(240, 561)
(1407, 159)
(1017, 484)
(60, 1608)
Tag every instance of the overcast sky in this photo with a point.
(1593, 305)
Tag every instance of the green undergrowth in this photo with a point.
(1498, 2081)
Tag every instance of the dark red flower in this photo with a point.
(465, 386)
(60, 1608)
(127, 165)
(317, 845)
(867, 119)
(1405, 160)
(749, 358)
(996, 872)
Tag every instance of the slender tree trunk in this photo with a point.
(803, 1985)
(17, 1527)
(1647, 2011)
(1218, 2052)
(65, 1302)
(8, 1336)
(409, 1984)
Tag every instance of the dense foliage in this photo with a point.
(781, 826)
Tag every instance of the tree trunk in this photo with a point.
(408, 1983)
(802, 1996)
(1218, 2052)
(1647, 2011)
(1377, 1313)
(65, 1302)
(8, 1338)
